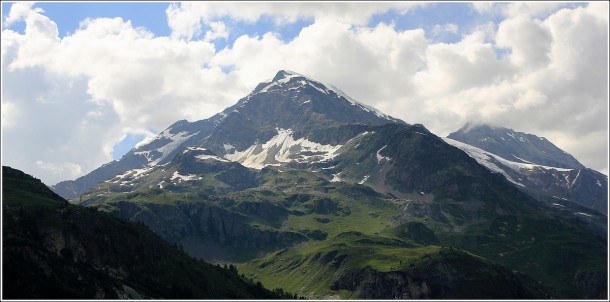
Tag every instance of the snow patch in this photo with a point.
(364, 179)
(283, 148)
(567, 178)
(129, 176)
(146, 154)
(214, 157)
(521, 159)
(380, 157)
(179, 177)
(361, 105)
(219, 117)
(188, 149)
(482, 157)
(575, 178)
(358, 137)
(228, 147)
(323, 91)
(584, 214)
(280, 82)
(176, 140)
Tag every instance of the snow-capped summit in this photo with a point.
(515, 146)
(533, 163)
(290, 80)
(291, 107)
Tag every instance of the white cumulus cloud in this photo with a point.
(186, 18)
(75, 97)
(218, 31)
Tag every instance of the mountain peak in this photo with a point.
(516, 146)
(281, 78)
(285, 74)
(479, 126)
(290, 101)
(286, 80)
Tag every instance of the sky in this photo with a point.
(83, 83)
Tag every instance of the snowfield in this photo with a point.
(283, 148)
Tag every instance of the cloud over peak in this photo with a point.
(543, 72)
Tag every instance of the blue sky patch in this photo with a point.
(68, 15)
(126, 144)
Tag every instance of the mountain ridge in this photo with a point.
(496, 148)
(298, 167)
(55, 250)
(515, 146)
(304, 102)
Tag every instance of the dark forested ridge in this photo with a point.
(54, 250)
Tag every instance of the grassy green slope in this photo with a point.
(54, 250)
(301, 202)
(468, 207)
(355, 265)
(432, 194)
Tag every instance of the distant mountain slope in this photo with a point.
(296, 163)
(54, 250)
(388, 181)
(535, 164)
(291, 111)
(515, 146)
